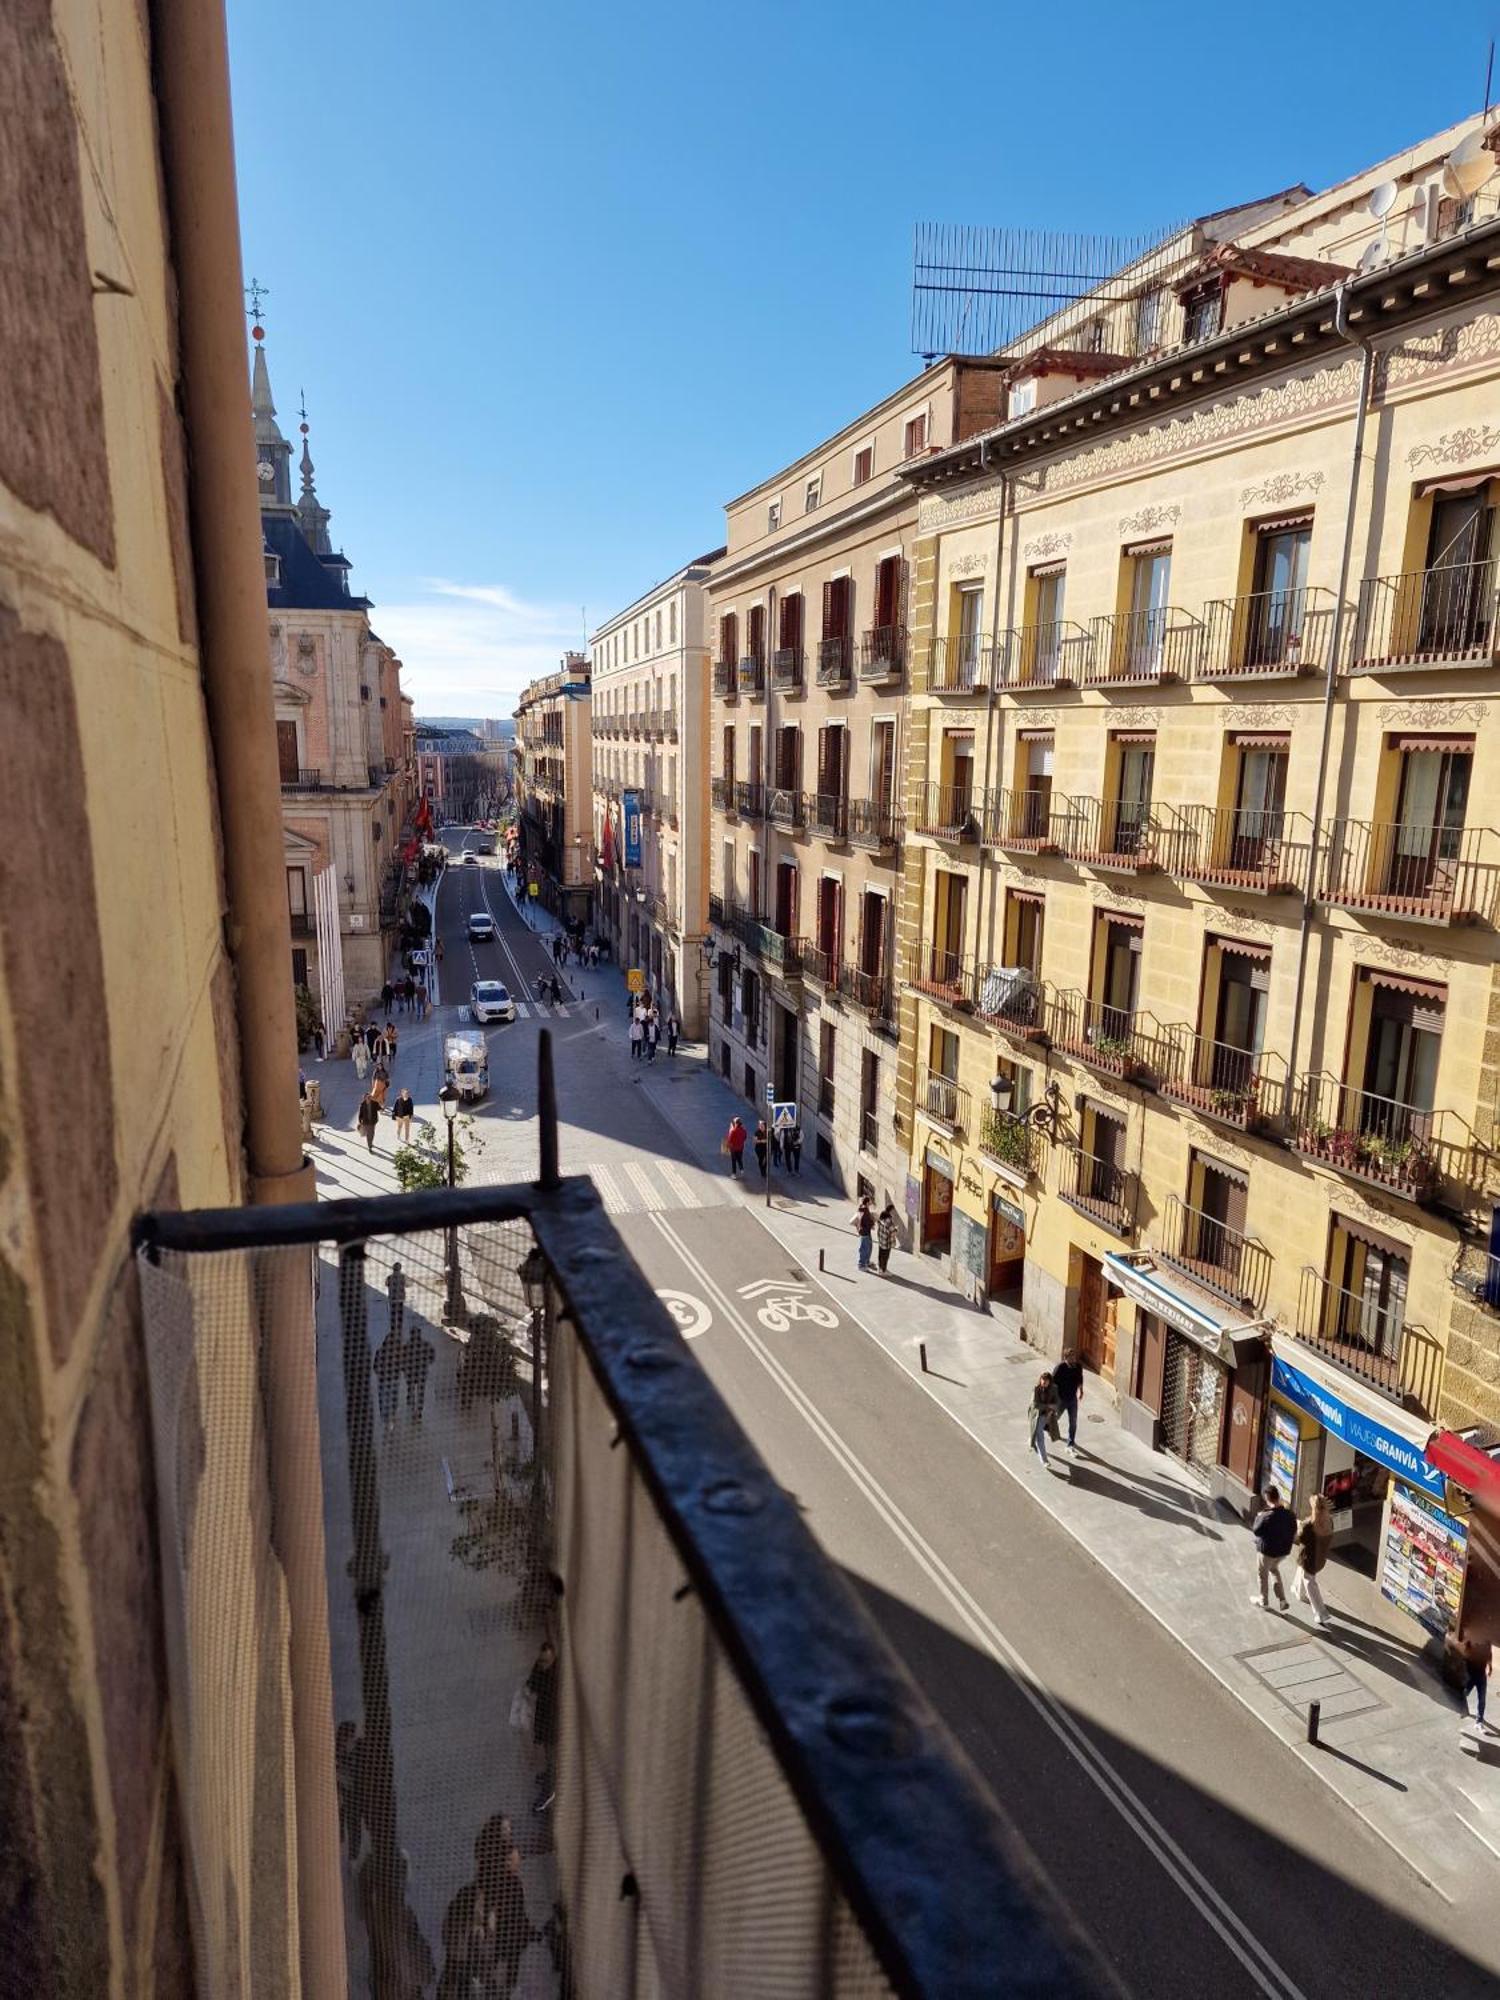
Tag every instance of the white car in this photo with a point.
(490, 1001)
(471, 857)
(481, 926)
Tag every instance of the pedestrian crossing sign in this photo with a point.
(783, 1117)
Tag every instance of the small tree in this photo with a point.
(423, 1162)
(309, 1020)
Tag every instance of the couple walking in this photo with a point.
(1277, 1531)
(400, 1354)
(1057, 1394)
(877, 1232)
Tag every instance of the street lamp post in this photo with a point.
(449, 1099)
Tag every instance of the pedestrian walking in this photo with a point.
(395, 1292)
(1041, 1414)
(778, 1145)
(1313, 1537)
(791, 1146)
(734, 1146)
(887, 1229)
(415, 1363)
(1275, 1530)
(372, 1038)
(1478, 1657)
(387, 1365)
(361, 1057)
(391, 1038)
(864, 1222)
(637, 1037)
(403, 1110)
(760, 1146)
(541, 1684)
(438, 949)
(349, 1781)
(1067, 1380)
(380, 1082)
(674, 1029)
(653, 1035)
(387, 995)
(367, 1118)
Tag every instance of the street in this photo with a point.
(1201, 1854)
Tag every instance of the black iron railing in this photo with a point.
(1118, 1041)
(874, 823)
(302, 780)
(1428, 618)
(784, 806)
(1158, 645)
(834, 661)
(1426, 874)
(1125, 835)
(1030, 822)
(750, 799)
(950, 812)
(1057, 654)
(1235, 1086)
(1265, 634)
(963, 665)
(827, 813)
(1409, 1149)
(1010, 1140)
(721, 794)
(944, 1100)
(940, 974)
(882, 652)
(1366, 1333)
(724, 680)
(752, 674)
(1222, 1259)
(1261, 851)
(786, 669)
(1014, 1000)
(869, 990)
(1098, 1188)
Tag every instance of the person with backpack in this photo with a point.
(1275, 1530)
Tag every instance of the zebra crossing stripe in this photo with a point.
(609, 1192)
(523, 1012)
(647, 1189)
(677, 1184)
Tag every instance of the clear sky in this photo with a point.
(559, 279)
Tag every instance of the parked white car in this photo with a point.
(490, 1001)
(481, 926)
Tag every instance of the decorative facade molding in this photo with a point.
(1256, 715)
(1470, 442)
(1034, 718)
(1406, 957)
(1109, 899)
(1354, 1203)
(1134, 715)
(1432, 714)
(1280, 488)
(1448, 347)
(1047, 545)
(1246, 923)
(1217, 1148)
(1146, 520)
(970, 565)
(939, 512)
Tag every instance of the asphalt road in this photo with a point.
(1199, 1853)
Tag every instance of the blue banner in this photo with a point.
(631, 812)
(1361, 1433)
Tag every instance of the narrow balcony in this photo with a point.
(820, 966)
(1426, 1156)
(950, 813)
(1030, 822)
(1430, 618)
(752, 674)
(835, 662)
(1252, 851)
(653, 723)
(963, 665)
(786, 670)
(1213, 1255)
(1099, 1189)
(1418, 874)
(303, 925)
(1113, 1040)
(869, 991)
(302, 780)
(1012, 1142)
(827, 814)
(1013, 1000)
(869, 1132)
(1366, 1334)
(669, 724)
(721, 795)
(750, 799)
(1144, 648)
(1126, 837)
(825, 1096)
(1266, 635)
(784, 808)
(1041, 657)
(1242, 1088)
(715, 909)
(882, 653)
(944, 1100)
(942, 975)
(725, 687)
(875, 824)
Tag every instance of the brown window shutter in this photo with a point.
(828, 604)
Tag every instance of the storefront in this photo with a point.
(1327, 1432)
(1006, 1264)
(937, 1202)
(1197, 1375)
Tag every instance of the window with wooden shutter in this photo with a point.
(729, 637)
(286, 751)
(888, 591)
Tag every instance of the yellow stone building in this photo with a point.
(1200, 1030)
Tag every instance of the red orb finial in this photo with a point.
(257, 333)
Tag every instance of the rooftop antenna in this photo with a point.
(1489, 74)
(1382, 201)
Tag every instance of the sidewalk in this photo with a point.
(1390, 1728)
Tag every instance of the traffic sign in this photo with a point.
(770, 1093)
(783, 1117)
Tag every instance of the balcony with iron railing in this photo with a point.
(1417, 874)
(653, 723)
(949, 812)
(1252, 850)
(1029, 822)
(1266, 635)
(721, 794)
(944, 1100)
(1144, 648)
(835, 662)
(777, 950)
(962, 665)
(669, 724)
(826, 814)
(869, 991)
(715, 908)
(1034, 658)
(869, 1132)
(1207, 1250)
(786, 670)
(1116, 1041)
(882, 653)
(750, 799)
(1125, 836)
(1244, 1088)
(1011, 1141)
(752, 673)
(874, 823)
(947, 976)
(784, 807)
(820, 966)
(1098, 1188)
(302, 780)
(725, 684)
(1013, 1000)
(303, 925)
(1366, 1334)
(1426, 1156)
(576, 1466)
(1443, 617)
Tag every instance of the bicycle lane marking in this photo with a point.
(1177, 1864)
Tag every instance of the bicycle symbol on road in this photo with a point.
(691, 1315)
(777, 1313)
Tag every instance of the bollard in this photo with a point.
(821, 1265)
(1314, 1710)
(922, 1352)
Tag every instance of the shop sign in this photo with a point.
(1147, 1289)
(1283, 1443)
(1011, 1210)
(936, 1164)
(630, 813)
(971, 1181)
(1422, 1565)
(1359, 1432)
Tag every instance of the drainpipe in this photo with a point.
(1330, 680)
(993, 723)
(192, 92)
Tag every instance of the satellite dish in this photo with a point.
(1383, 199)
(1372, 254)
(1468, 167)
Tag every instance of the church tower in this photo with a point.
(273, 455)
(311, 512)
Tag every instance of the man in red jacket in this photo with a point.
(734, 1146)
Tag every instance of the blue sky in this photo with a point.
(559, 280)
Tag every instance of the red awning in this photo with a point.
(1252, 739)
(1244, 947)
(1424, 989)
(1281, 524)
(1467, 1466)
(1459, 745)
(1134, 736)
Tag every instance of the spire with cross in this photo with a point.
(273, 454)
(313, 516)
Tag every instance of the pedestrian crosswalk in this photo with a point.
(635, 1187)
(543, 1009)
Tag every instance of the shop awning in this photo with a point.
(1261, 739)
(1240, 947)
(1282, 524)
(1398, 982)
(1222, 1329)
(1367, 1421)
(1468, 1466)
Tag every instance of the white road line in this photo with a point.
(678, 1185)
(609, 1192)
(1154, 1837)
(523, 1012)
(644, 1186)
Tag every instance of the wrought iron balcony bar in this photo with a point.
(882, 652)
(1266, 634)
(1098, 1188)
(1125, 835)
(942, 975)
(1244, 1088)
(302, 781)
(944, 1100)
(750, 799)
(1421, 874)
(834, 661)
(1030, 822)
(1115, 1040)
(1254, 850)
(724, 681)
(1144, 646)
(1441, 617)
(873, 823)
(826, 813)
(820, 966)
(1366, 1334)
(951, 812)
(752, 674)
(1407, 1149)
(784, 806)
(1211, 1253)
(721, 794)
(1009, 1139)
(786, 669)
(1012, 999)
(869, 990)
(1057, 654)
(963, 665)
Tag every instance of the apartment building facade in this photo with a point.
(650, 731)
(554, 790)
(1200, 1016)
(808, 630)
